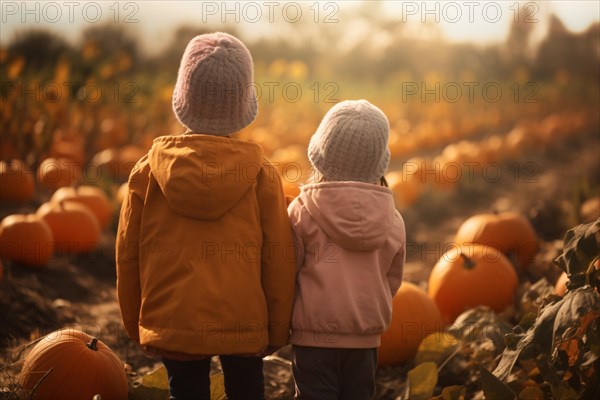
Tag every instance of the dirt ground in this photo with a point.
(80, 292)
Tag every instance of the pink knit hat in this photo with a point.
(214, 93)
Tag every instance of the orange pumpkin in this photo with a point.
(90, 196)
(420, 170)
(73, 365)
(414, 316)
(471, 275)
(26, 239)
(509, 232)
(589, 211)
(560, 288)
(16, 182)
(118, 162)
(58, 172)
(406, 191)
(68, 144)
(448, 172)
(74, 226)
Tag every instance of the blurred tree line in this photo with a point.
(117, 52)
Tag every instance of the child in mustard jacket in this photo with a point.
(351, 243)
(205, 256)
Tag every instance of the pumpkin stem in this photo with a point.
(93, 344)
(468, 263)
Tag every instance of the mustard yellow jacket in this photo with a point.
(205, 254)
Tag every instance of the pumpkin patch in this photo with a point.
(494, 140)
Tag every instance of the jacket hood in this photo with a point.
(357, 216)
(204, 176)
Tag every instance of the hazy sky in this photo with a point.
(155, 21)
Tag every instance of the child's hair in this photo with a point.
(351, 143)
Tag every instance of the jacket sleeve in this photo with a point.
(396, 271)
(127, 257)
(295, 213)
(277, 256)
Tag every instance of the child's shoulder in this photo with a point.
(140, 172)
(269, 170)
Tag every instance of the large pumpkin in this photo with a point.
(90, 196)
(26, 239)
(74, 226)
(509, 232)
(406, 191)
(117, 163)
(58, 172)
(414, 316)
(472, 275)
(68, 145)
(70, 364)
(16, 181)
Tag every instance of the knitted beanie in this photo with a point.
(214, 93)
(351, 143)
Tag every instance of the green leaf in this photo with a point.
(436, 348)
(422, 380)
(494, 388)
(581, 247)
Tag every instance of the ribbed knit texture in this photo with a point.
(214, 93)
(351, 143)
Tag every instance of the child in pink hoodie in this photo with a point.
(351, 252)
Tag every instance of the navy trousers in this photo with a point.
(189, 380)
(334, 374)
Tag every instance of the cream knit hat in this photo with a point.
(351, 143)
(214, 93)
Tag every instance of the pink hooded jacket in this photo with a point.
(351, 249)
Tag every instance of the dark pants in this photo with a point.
(328, 374)
(189, 380)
